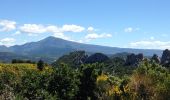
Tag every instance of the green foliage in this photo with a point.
(88, 78)
(35, 85)
(23, 81)
(151, 81)
(64, 82)
(7, 82)
(110, 80)
(116, 66)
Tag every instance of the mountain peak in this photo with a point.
(3, 46)
(50, 37)
(54, 47)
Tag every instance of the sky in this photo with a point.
(143, 24)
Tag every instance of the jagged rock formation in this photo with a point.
(165, 60)
(133, 60)
(80, 57)
(97, 57)
(156, 58)
(74, 59)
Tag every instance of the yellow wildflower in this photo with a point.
(102, 77)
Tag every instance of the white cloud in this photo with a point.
(72, 28)
(32, 28)
(95, 36)
(6, 25)
(153, 44)
(53, 29)
(130, 29)
(80, 41)
(57, 32)
(61, 35)
(90, 29)
(64, 28)
(16, 33)
(7, 41)
(35, 29)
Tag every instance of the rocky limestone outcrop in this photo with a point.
(134, 60)
(97, 57)
(73, 59)
(156, 58)
(165, 60)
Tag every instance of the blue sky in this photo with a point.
(117, 23)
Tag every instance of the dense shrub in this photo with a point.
(64, 82)
(97, 81)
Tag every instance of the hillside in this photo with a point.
(52, 48)
(8, 56)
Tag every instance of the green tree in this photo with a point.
(14, 61)
(64, 82)
(88, 86)
(40, 65)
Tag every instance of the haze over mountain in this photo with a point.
(51, 48)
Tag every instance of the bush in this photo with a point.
(64, 82)
(40, 65)
(150, 81)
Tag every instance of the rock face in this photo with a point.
(74, 59)
(165, 60)
(156, 58)
(80, 57)
(133, 59)
(97, 57)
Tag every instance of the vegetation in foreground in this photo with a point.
(78, 77)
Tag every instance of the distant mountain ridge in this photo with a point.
(8, 56)
(52, 48)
